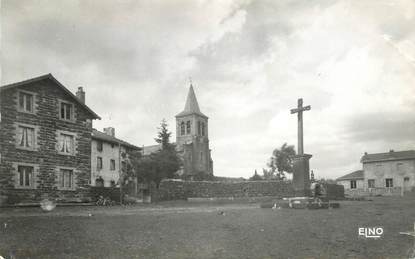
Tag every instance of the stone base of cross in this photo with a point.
(301, 174)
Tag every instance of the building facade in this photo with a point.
(45, 141)
(353, 183)
(192, 138)
(389, 173)
(109, 156)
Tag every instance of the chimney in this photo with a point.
(390, 151)
(81, 94)
(365, 153)
(110, 131)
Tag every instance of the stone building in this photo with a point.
(108, 157)
(45, 140)
(389, 173)
(192, 138)
(353, 183)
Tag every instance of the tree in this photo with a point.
(281, 161)
(161, 164)
(255, 177)
(163, 136)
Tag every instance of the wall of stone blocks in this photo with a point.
(181, 190)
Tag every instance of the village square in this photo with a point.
(129, 131)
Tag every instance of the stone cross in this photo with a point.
(299, 110)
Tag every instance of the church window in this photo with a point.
(182, 128)
(353, 184)
(188, 127)
(199, 128)
(203, 128)
(201, 157)
(389, 182)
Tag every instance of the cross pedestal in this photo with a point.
(301, 174)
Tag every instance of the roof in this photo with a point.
(356, 175)
(147, 150)
(107, 138)
(191, 107)
(388, 156)
(54, 80)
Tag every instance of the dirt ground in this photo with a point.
(194, 230)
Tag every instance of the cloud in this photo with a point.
(352, 61)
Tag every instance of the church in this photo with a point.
(192, 139)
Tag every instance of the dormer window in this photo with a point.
(188, 127)
(66, 111)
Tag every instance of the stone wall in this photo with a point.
(181, 190)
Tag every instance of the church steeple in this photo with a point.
(192, 106)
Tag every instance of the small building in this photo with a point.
(45, 141)
(389, 173)
(108, 156)
(353, 183)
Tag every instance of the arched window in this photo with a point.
(203, 128)
(199, 128)
(182, 132)
(188, 127)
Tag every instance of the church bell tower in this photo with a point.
(192, 138)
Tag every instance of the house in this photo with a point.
(45, 140)
(108, 156)
(192, 139)
(389, 173)
(353, 183)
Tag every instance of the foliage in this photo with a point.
(281, 162)
(163, 136)
(256, 177)
(158, 165)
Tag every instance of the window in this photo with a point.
(124, 166)
(199, 128)
(25, 176)
(66, 144)
(371, 183)
(26, 102)
(201, 156)
(112, 164)
(182, 132)
(99, 163)
(66, 111)
(389, 182)
(26, 137)
(353, 184)
(99, 146)
(112, 183)
(203, 128)
(188, 127)
(66, 178)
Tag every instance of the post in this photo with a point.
(300, 129)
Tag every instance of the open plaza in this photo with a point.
(209, 230)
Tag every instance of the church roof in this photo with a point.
(388, 156)
(356, 175)
(191, 107)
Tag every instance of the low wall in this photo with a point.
(107, 192)
(379, 191)
(181, 190)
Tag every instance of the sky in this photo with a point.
(249, 61)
